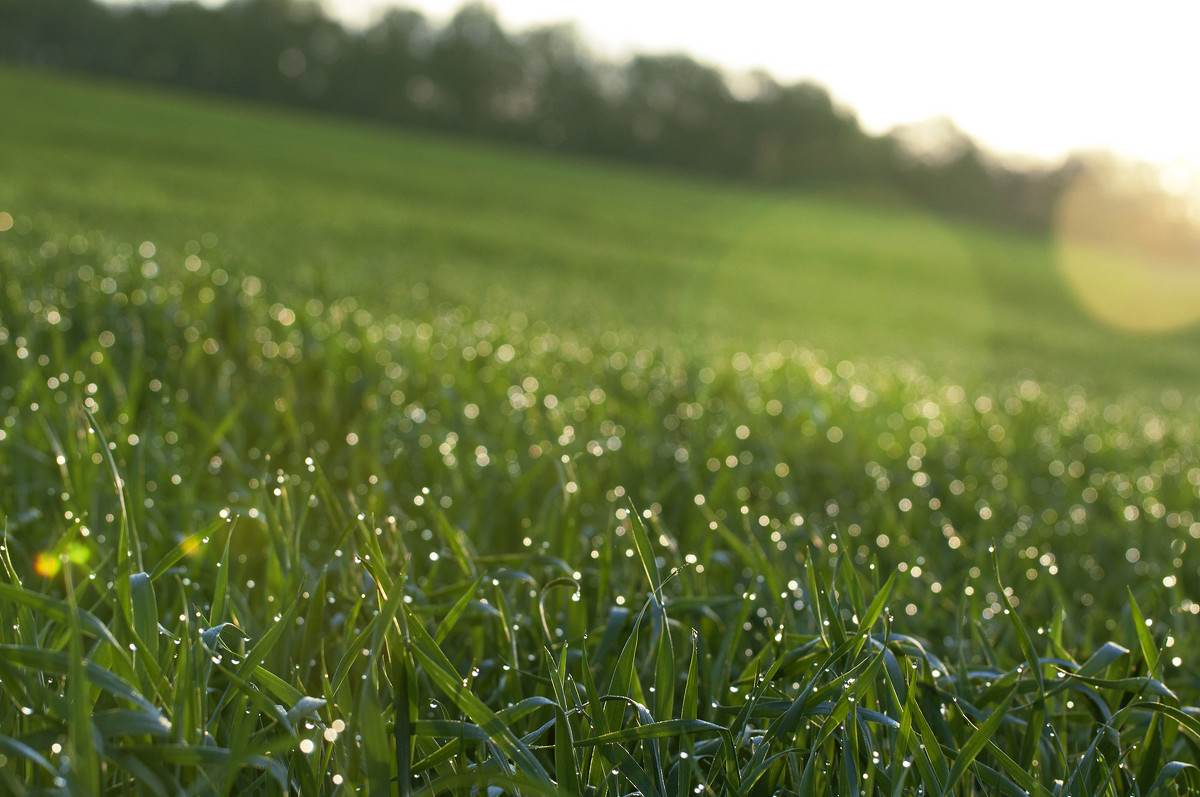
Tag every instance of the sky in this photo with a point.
(1024, 78)
(1021, 77)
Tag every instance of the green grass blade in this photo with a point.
(975, 744)
(17, 748)
(145, 616)
(1023, 638)
(81, 740)
(187, 546)
(1171, 772)
(59, 610)
(1150, 651)
(1102, 659)
(456, 611)
(221, 587)
(645, 551)
(565, 766)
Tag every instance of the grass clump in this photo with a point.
(251, 547)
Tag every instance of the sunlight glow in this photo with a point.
(1130, 251)
(46, 564)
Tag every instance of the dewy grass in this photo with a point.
(252, 548)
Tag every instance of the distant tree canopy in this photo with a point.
(540, 87)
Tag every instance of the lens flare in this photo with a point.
(1129, 250)
(46, 564)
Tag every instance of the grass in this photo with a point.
(258, 547)
(276, 519)
(349, 209)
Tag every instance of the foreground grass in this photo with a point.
(254, 547)
(348, 209)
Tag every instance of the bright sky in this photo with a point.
(1023, 76)
(1037, 77)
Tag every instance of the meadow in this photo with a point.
(313, 204)
(291, 504)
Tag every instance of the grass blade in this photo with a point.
(977, 742)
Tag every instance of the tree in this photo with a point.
(475, 67)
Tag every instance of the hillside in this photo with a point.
(352, 209)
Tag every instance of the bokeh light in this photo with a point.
(1129, 249)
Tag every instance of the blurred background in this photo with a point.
(989, 187)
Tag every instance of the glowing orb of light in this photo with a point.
(1129, 251)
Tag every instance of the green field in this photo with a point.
(371, 212)
(563, 519)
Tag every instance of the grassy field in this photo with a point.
(359, 210)
(275, 523)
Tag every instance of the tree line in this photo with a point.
(540, 87)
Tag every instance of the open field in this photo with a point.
(274, 523)
(437, 520)
(358, 210)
